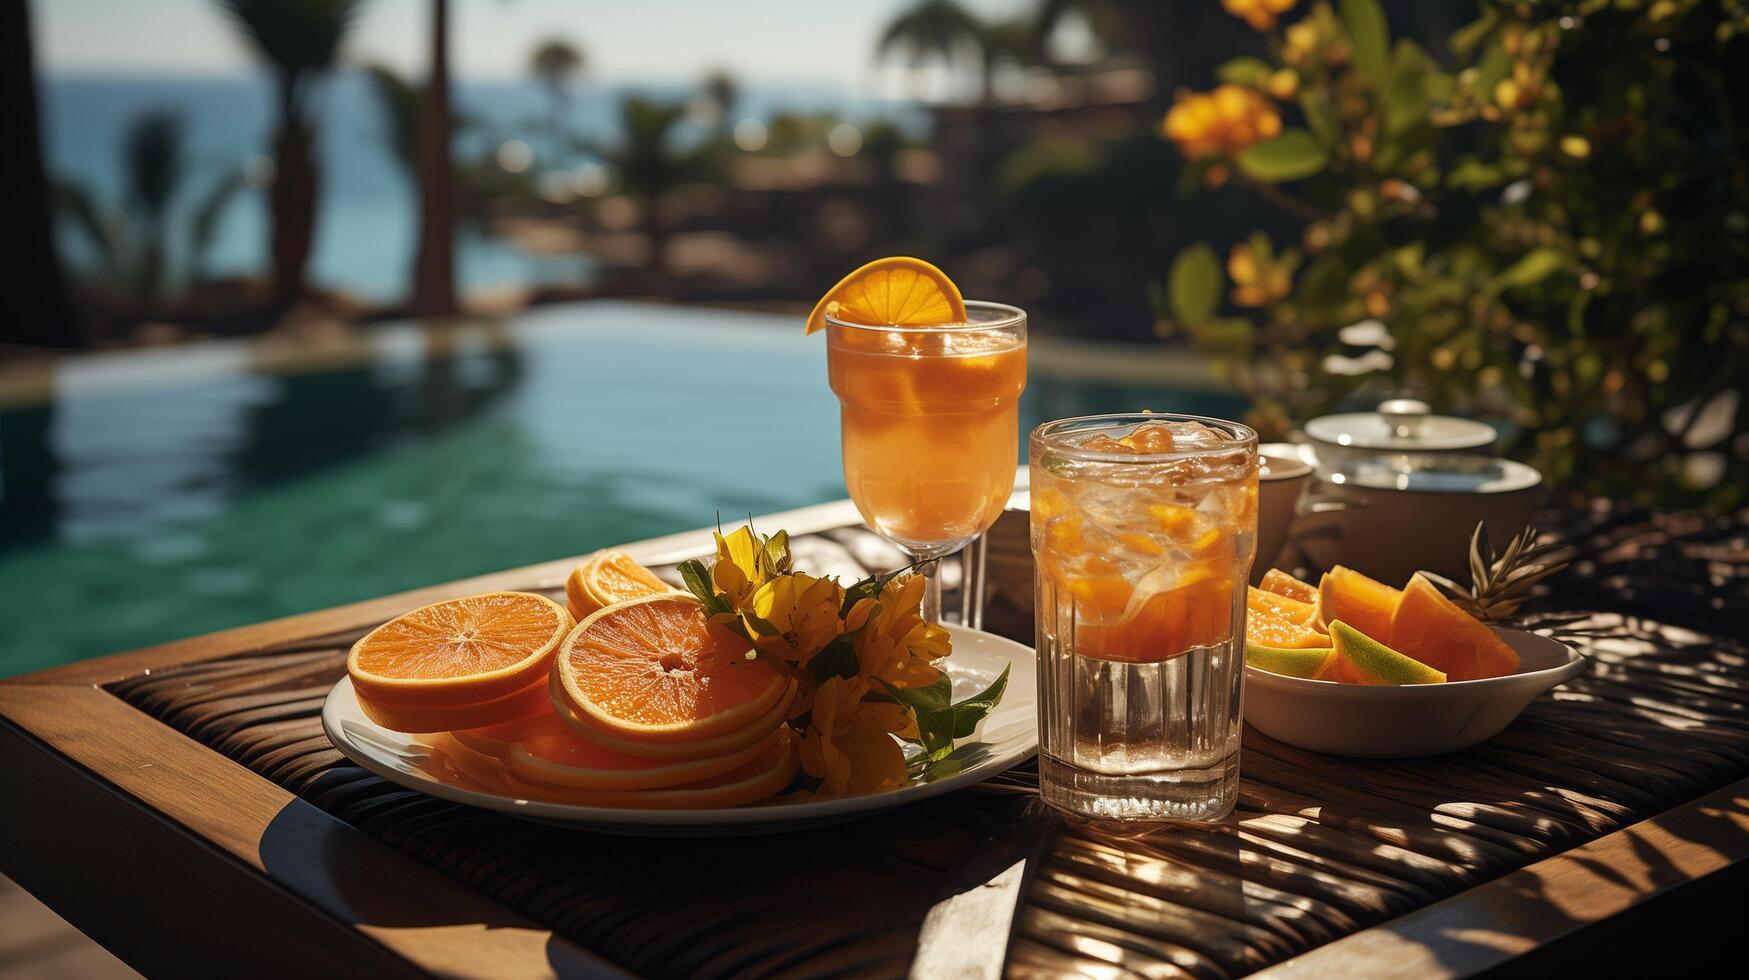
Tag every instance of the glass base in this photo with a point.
(1178, 794)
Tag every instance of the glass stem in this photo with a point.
(972, 583)
(931, 572)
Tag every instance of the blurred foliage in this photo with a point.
(133, 241)
(1544, 227)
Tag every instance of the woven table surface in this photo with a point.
(1319, 847)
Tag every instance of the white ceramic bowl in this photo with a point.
(1400, 721)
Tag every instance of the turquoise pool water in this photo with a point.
(158, 495)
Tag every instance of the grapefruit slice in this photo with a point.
(1166, 624)
(1276, 622)
(1281, 583)
(655, 670)
(607, 577)
(1360, 659)
(894, 291)
(703, 748)
(1308, 662)
(1361, 602)
(1443, 636)
(462, 654)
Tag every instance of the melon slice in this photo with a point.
(1361, 602)
(1360, 659)
(1281, 583)
(1278, 622)
(1437, 632)
(1312, 662)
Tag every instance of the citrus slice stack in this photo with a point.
(653, 706)
(894, 291)
(607, 577)
(652, 676)
(461, 664)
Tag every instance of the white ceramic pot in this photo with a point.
(1400, 721)
(1282, 477)
(1389, 523)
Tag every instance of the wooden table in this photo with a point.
(181, 805)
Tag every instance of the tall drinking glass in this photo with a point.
(931, 427)
(1143, 529)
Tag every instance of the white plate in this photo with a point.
(1007, 737)
(1399, 721)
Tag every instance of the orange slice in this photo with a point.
(896, 291)
(655, 670)
(417, 719)
(703, 748)
(460, 653)
(543, 749)
(1281, 583)
(763, 776)
(607, 577)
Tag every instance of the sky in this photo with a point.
(813, 41)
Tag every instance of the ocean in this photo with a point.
(365, 225)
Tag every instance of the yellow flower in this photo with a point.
(849, 744)
(895, 644)
(746, 561)
(1258, 280)
(1260, 14)
(802, 609)
(1220, 123)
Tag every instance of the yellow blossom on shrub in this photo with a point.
(793, 616)
(1220, 123)
(848, 744)
(1260, 14)
(1257, 280)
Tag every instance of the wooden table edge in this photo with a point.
(1544, 902)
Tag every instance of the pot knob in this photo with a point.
(1404, 415)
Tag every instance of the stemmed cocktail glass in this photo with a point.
(931, 427)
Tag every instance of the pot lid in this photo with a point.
(1401, 425)
(1448, 473)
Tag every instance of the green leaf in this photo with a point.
(1405, 89)
(969, 712)
(1244, 71)
(934, 714)
(1292, 155)
(698, 580)
(1471, 174)
(1465, 39)
(1320, 118)
(1194, 284)
(1495, 65)
(1538, 264)
(763, 627)
(836, 659)
(1365, 22)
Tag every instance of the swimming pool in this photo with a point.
(159, 494)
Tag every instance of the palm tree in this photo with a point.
(554, 63)
(933, 29)
(133, 240)
(650, 167)
(298, 39)
(721, 89)
(434, 265)
(153, 150)
(400, 101)
(37, 309)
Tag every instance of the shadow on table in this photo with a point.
(842, 898)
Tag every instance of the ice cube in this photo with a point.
(1192, 435)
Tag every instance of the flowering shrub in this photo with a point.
(1549, 230)
(865, 663)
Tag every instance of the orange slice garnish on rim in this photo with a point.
(895, 291)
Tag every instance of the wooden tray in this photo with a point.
(181, 805)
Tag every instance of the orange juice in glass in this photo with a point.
(930, 419)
